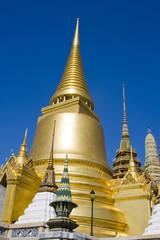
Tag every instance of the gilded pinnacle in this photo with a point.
(125, 127)
(132, 166)
(49, 184)
(25, 137)
(73, 82)
(125, 141)
(50, 164)
(76, 35)
(22, 155)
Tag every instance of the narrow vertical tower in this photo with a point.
(152, 164)
(125, 142)
(121, 163)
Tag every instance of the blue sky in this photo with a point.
(119, 43)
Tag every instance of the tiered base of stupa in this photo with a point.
(39, 210)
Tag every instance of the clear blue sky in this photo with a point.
(120, 42)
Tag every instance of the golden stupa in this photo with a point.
(78, 132)
(121, 205)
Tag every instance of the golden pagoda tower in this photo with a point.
(79, 133)
(121, 163)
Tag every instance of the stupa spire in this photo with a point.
(25, 137)
(125, 141)
(50, 164)
(123, 154)
(49, 183)
(73, 82)
(76, 35)
(125, 126)
(132, 166)
(22, 154)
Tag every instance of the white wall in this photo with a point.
(2, 195)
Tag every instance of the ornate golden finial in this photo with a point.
(124, 106)
(125, 126)
(22, 155)
(49, 184)
(73, 82)
(131, 162)
(76, 35)
(25, 137)
(50, 164)
(132, 166)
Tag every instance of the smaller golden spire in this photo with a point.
(50, 164)
(25, 137)
(49, 184)
(22, 155)
(76, 35)
(125, 144)
(132, 167)
(125, 126)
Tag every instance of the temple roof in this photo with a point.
(73, 81)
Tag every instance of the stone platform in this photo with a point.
(40, 231)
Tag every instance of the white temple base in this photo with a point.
(39, 210)
(154, 222)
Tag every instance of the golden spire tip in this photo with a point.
(25, 137)
(26, 132)
(123, 93)
(76, 35)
